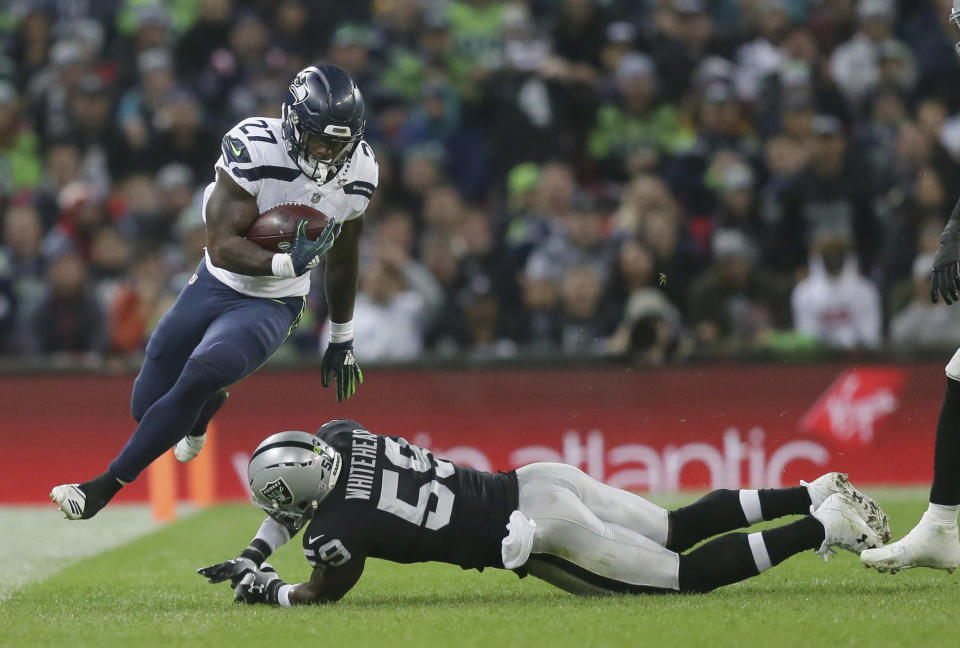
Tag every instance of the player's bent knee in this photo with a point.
(209, 372)
(143, 397)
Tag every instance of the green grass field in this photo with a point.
(145, 593)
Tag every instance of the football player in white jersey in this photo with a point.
(244, 301)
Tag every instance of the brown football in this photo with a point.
(274, 229)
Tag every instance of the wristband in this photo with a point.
(254, 553)
(282, 265)
(283, 595)
(341, 332)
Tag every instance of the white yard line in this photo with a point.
(40, 542)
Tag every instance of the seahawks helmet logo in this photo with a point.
(299, 88)
(277, 492)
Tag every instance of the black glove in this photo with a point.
(304, 250)
(945, 280)
(232, 570)
(339, 363)
(258, 587)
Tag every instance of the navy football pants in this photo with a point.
(212, 337)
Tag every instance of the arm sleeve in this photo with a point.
(274, 534)
(241, 160)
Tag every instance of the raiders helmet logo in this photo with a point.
(278, 492)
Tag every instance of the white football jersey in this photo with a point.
(254, 156)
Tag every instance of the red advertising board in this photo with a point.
(647, 430)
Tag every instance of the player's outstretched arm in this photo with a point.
(945, 280)
(271, 535)
(230, 212)
(342, 274)
(326, 585)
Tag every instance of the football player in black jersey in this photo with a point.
(357, 494)
(935, 541)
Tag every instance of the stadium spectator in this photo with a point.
(22, 271)
(397, 300)
(182, 137)
(101, 148)
(68, 319)
(650, 333)
(835, 304)
(855, 64)
(138, 109)
(485, 259)
(20, 160)
(541, 331)
(436, 122)
(446, 334)
(581, 240)
(632, 133)
(734, 305)
(922, 324)
(831, 189)
(540, 198)
(632, 271)
(208, 33)
(581, 329)
(762, 55)
(481, 314)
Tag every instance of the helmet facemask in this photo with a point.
(319, 156)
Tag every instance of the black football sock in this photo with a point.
(737, 556)
(946, 454)
(789, 539)
(211, 407)
(99, 491)
(777, 502)
(716, 512)
(725, 510)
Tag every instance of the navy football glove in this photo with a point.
(340, 365)
(258, 587)
(306, 253)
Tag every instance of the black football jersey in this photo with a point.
(396, 501)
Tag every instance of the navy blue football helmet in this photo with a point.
(322, 120)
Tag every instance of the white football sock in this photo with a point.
(942, 514)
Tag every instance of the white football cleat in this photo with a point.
(929, 544)
(189, 447)
(70, 499)
(843, 526)
(869, 509)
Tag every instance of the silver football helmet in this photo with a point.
(290, 473)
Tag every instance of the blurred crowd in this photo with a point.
(650, 179)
